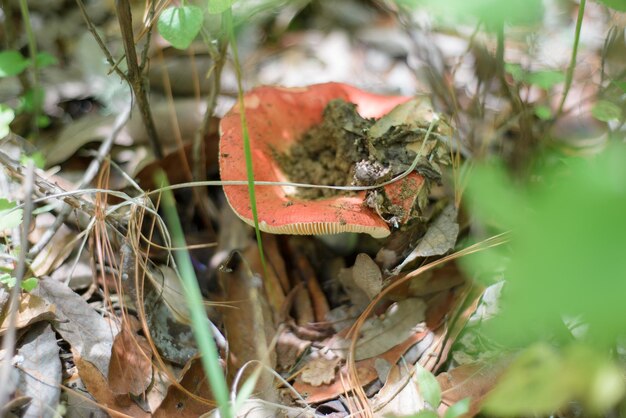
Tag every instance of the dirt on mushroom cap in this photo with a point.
(341, 152)
(327, 153)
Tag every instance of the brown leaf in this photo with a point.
(320, 371)
(249, 326)
(366, 370)
(192, 402)
(97, 386)
(32, 309)
(130, 370)
(473, 380)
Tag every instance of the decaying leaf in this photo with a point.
(40, 371)
(90, 335)
(97, 386)
(192, 402)
(439, 238)
(130, 371)
(400, 395)
(469, 380)
(32, 309)
(167, 316)
(320, 371)
(249, 326)
(367, 276)
(380, 334)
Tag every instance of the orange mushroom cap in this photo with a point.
(276, 118)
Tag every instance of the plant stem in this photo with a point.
(228, 20)
(9, 339)
(32, 51)
(135, 76)
(570, 69)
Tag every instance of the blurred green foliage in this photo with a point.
(493, 13)
(566, 252)
(542, 380)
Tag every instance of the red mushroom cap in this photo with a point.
(276, 118)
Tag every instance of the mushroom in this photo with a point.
(276, 118)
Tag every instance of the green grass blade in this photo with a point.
(228, 19)
(199, 321)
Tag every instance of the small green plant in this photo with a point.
(12, 64)
(431, 392)
(28, 285)
(10, 217)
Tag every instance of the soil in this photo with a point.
(328, 153)
(341, 151)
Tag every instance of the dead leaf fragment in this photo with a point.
(32, 309)
(367, 276)
(90, 335)
(130, 370)
(320, 371)
(439, 238)
(381, 334)
(40, 371)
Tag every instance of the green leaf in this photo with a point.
(568, 230)
(38, 159)
(12, 63)
(45, 60)
(429, 386)
(460, 408)
(180, 25)
(516, 71)
(29, 284)
(620, 84)
(9, 217)
(6, 117)
(7, 280)
(493, 13)
(545, 79)
(219, 6)
(32, 100)
(543, 112)
(606, 111)
(619, 5)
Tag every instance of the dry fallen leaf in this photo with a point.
(89, 334)
(320, 371)
(32, 309)
(439, 238)
(40, 371)
(381, 334)
(130, 370)
(367, 276)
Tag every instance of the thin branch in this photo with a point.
(135, 76)
(92, 29)
(572, 64)
(8, 340)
